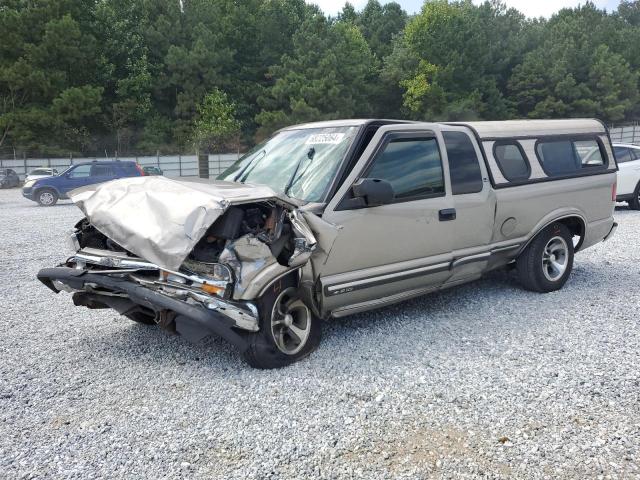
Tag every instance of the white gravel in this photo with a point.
(484, 380)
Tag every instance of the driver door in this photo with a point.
(403, 248)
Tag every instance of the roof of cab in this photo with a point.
(355, 122)
(491, 129)
(534, 128)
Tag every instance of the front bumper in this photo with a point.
(28, 193)
(192, 321)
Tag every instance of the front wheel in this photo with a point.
(545, 265)
(47, 197)
(289, 331)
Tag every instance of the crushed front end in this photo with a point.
(195, 266)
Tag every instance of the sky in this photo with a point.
(531, 8)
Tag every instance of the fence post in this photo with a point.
(158, 159)
(24, 161)
(179, 165)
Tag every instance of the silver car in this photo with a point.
(328, 219)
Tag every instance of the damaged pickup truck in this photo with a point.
(333, 218)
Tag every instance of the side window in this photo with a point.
(635, 153)
(80, 171)
(589, 153)
(101, 171)
(623, 154)
(511, 161)
(566, 157)
(464, 166)
(412, 166)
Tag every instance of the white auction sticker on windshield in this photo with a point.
(331, 138)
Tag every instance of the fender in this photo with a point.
(554, 217)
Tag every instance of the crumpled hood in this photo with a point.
(159, 219)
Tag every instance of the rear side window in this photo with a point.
(566, 157)
(512, 161)
(80, 171)
(412, 166)
(464, 166)
(623, 154)
(626, 154)
(101, 171)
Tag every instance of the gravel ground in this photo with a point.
(484, 380)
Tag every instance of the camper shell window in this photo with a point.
(561, 157)
(511, 160)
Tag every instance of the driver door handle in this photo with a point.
(447, 214)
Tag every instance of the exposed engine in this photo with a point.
(245, 239)
(265, 222)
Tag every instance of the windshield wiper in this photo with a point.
(253, 162)
(294, 176)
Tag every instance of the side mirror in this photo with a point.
(373, 191)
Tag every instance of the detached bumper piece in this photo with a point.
(104, 291)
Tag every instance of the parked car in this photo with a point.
(151, 170)
(47, 191)
(8, 178)
(628, 158)
(333, 218)
(39, 173)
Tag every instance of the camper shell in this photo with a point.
(332, 218)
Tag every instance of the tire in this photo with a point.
(46, 197)
(276, 344)
(545, 265)
(634, 203)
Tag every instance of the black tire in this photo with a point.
(264, 351)
(634, 203)
(537, 265)
(46, 197)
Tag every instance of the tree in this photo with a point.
(379, 24)
(216, 123)
(327, 76)
(466, 53)
(575, 70)
(50, 76)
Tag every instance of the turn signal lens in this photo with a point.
(212, 289)
(614, 191)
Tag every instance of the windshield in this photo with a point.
(300, 163)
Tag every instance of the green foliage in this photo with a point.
(576, 70)
(147, 75)
(216, 122)
(326, 76)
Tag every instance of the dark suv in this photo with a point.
(47, 191)
(8, 178)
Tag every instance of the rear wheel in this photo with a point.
(46, 197)
(545, 265)
(634, 203)
(289, 331)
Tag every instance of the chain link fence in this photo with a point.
(629, 133)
